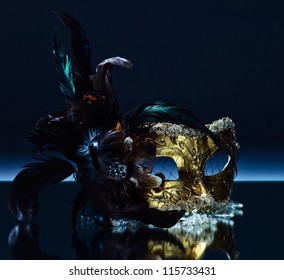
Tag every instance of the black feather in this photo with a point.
(80, 48)
(102, 82)
(27, 184)
(161, 111)
(118, 61)
(57, 132)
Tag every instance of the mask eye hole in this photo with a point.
(166, 166)
(216, 163)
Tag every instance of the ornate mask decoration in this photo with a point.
(204, 174)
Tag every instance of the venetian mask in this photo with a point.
(197, 173)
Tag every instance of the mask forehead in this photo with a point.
(191, 150)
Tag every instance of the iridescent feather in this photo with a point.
(64, 68)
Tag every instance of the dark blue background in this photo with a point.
(216, 58)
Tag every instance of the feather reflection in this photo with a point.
(138, 242)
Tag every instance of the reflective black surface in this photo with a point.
(258, 234)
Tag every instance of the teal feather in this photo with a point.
(64, 68)
(163, 111)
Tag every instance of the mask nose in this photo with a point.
(198, 187)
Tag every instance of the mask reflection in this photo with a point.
(138, 242)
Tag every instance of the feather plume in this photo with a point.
(64, 68)
(118, 61)
(27, 184)
(80, 48)
(102, 83)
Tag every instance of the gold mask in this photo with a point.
(195, 186)
(194, 242)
